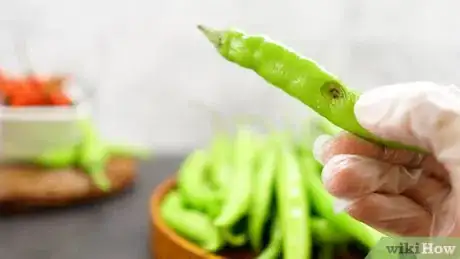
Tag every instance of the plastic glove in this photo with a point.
(398, 191)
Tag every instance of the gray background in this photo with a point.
(153, 69)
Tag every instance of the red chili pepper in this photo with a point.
(27, 93)
(8, 86)
(55, 92)
(59, 98)
(34, 82)
(27, 99)
(5, 89)
(18, 100)
(33, 91)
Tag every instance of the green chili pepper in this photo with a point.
(221, 158)
(238, 197)
(323, 203)
(326, 251)
(300, 77)
(58, 158)
(293, 206)
(273, 250)
(94, 156)
(69, 156)
(324, 232)
(192, 182)
(221, 166)
(264, 184)
(234, 239)
(193, 225)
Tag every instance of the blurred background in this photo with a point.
(157, 78)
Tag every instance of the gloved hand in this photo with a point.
(396, 191)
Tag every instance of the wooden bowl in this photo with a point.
(166, 244)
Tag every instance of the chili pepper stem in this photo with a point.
(213, 36)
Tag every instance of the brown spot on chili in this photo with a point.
(335, 93)
(332, 90)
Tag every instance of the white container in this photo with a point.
(31, 131)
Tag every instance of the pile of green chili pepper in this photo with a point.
(262, 191)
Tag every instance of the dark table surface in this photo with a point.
(116, 228)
